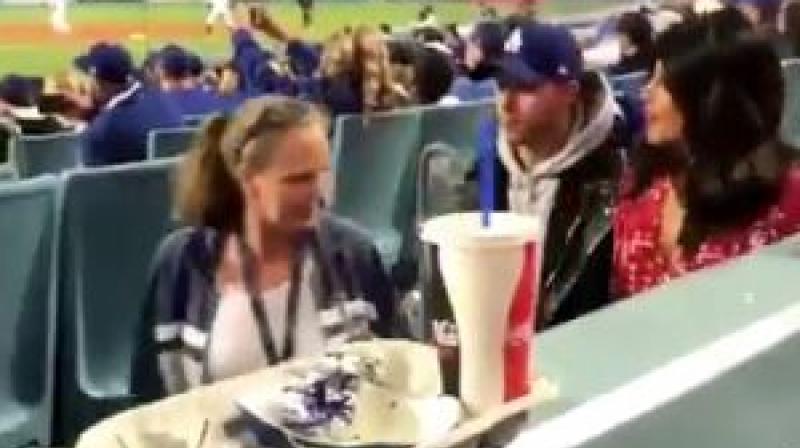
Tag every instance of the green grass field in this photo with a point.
(49, 53)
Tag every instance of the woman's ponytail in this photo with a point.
(208, 193)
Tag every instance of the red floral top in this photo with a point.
(639, 262)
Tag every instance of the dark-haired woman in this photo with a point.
(263, 274)
(714, 182)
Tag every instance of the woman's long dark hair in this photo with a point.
(728, 85)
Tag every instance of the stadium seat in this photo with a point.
(441, 182)
(375, 164)
(375, 160)
(7, 172)
(790, 127)
(33, 155)
(5, 143)
(169, 142)
(113, 219)
(195, 120)
(454, 125)
(28, 248)
(441, 188)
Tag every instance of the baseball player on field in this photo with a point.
(58, 16)
(219, 9)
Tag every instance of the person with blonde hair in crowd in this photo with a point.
(356, 74)
(352, 73)
(333, 87)
(263, 274)
(373, 71)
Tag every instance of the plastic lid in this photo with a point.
(465, 230)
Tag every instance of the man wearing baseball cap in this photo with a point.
(485, 44)
(558, 148)
(128, 111)
(20, 113)
(174, 68)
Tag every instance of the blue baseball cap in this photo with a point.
(539, 52)
(175, 61)
(107, 62)
(490, 37)
(196, 65)
(18, 91)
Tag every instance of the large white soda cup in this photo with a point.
(491, 281)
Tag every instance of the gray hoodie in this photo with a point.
(532, 191)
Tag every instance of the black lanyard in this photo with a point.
(260, 312)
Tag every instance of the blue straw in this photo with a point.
(486, 161)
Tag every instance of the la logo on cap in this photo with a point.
(563, 70)
(514, 42)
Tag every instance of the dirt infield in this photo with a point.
(42, 33)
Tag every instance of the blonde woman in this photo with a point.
(263, 274)
(373, 71)
(356, 76)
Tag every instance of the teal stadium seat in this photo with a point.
(196, 120)
(441, 182)
(375, 164)
(7, 172)
(28, 248)
(163, 143)
(113, 220)
(790, 127)
(455, 125)
(33, 155)
(376, 160)
(441, 188)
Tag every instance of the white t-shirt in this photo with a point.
(235, 346)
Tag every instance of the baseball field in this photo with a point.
(28, 45)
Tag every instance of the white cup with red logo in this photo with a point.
(490, 274)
